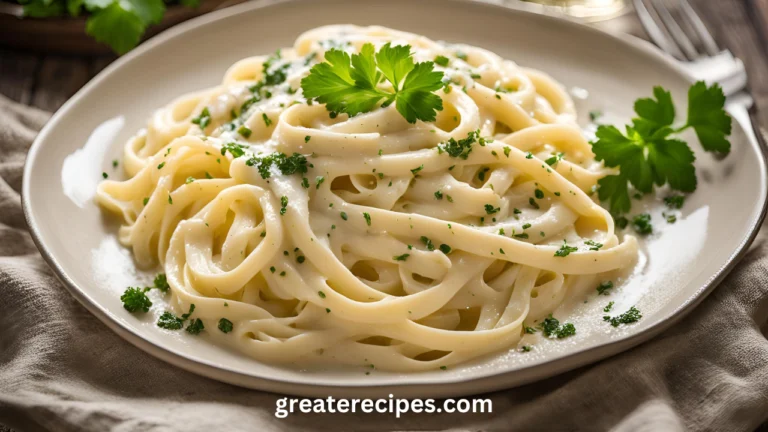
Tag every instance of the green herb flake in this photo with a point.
(135, 300)
(225, 325)
(631, 316)
(565, 250)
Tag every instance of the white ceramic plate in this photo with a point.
(680, 264)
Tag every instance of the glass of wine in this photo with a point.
(588, 10)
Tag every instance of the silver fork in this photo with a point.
(704, 60)
(679, 36)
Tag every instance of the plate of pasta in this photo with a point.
(343, 198)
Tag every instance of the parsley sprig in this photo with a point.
(647, 152)
(351, 84)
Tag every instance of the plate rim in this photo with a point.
(485, 382)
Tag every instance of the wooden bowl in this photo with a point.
(66, 35)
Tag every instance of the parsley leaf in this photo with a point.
(647, 155)
(707, 117)
(117, 25)
(350, 84)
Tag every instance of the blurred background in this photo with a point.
(51, 48)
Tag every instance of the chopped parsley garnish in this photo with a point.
(521, 235)
(115, 163)
(104, 175)
(444, 248)
(318, 181)
(204, 119)
(647, 154)
(350, 84)
(506, 151)
(526, 348)
(288, 165)
(307, 138)
(551, 327)
(608, 307)
(135, 300)
(642, 224)
(594, 115)
(300, 259)
(621, 222)
(533, 203)
(161, 282)
(428, 243)
(367, 218)
(461, 148)
(604, 287)
(402, 257)
(482, 172)
(670, 218)
(344, 215)
(267, 120)
(628, 317)
(416, 170)
(189, 180)
(565, 250)
(675, 201)
(225, 325)
(244, 131)
(235, 149)
(283, 205)
(438, 195)
(552, 161)
(321, 294)
(529, 330)
(170, 321)
(539, 193)
(146, 200)
(195, 326)
(593, 245)
(490, 209)
(161, 165)
(441, 60)
(305, 183)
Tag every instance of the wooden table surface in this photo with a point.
(47, 81)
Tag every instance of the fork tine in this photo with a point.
(675, 30)
(701, 30)
(657, 35)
